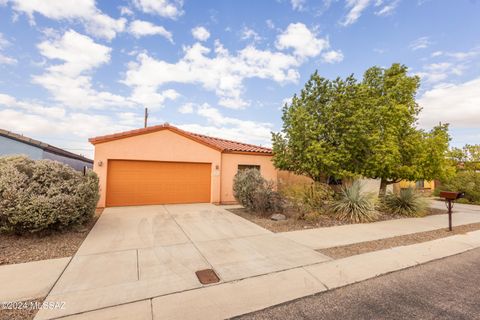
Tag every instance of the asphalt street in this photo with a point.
(444, 289)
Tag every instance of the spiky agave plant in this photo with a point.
(354, 205)
(405, 203)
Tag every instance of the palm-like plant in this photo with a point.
(406, 203)
(354, 205)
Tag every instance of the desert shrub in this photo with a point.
(352, 204)
(467, 181)
(255, 193)
(265, 199)
(307, 197)
(407, 203)
(38, 195)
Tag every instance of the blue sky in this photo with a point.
(74, 69)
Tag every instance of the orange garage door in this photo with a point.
(152, 182)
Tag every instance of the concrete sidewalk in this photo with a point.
(321, 238)
(31, 280)
(457, 207)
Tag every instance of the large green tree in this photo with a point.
(466, 158)
(317, 125)
(346, 128)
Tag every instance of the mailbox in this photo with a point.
(450, 198)
(449, 195)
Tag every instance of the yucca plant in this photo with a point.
(405, 203)
(352, 204)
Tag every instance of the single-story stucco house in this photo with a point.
(16, 144)
(164, 164)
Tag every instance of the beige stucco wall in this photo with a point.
(230, 162)
(157, 146)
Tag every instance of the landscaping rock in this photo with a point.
(278, 217)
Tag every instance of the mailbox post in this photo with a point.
(450, 198)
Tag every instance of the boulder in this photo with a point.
(278, 217)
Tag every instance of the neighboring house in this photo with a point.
(420, 185)
(164, 164)
(12, 143)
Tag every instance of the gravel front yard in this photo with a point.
(32, 247)
(363, 247)
(292, 224)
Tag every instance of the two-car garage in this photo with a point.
(166, 165)
(132, 182)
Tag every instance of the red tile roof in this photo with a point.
(220, 144)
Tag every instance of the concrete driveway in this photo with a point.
(136, 253)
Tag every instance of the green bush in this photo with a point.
(38, 195)
(308, 197)
(255, 193)
(467, 181)
(353, 205)
(405, 203)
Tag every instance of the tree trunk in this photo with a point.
(383, 188)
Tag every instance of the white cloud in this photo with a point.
(298, 5)
(286, 101)
(95, 22)
(457, 104)
(74, 128)
(231, 128)
(270, 24)
(332, 56)
(69, 82)
(187, 108)
(436, 54)
(388, 8)
(436, 72)
(221, 72)
(126, 11)
(79, 53)
(140, 28)
(163, 8)
(3, 42)
(149, 96)
(8, 101)
(248, 33)
(355, 9)
(200, 33)
(303, 41)
(7, 60)
(420, 43)
(3, 58)
(464, 55)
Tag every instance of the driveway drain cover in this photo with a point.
(207, 276)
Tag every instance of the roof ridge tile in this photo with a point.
(224, 145)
